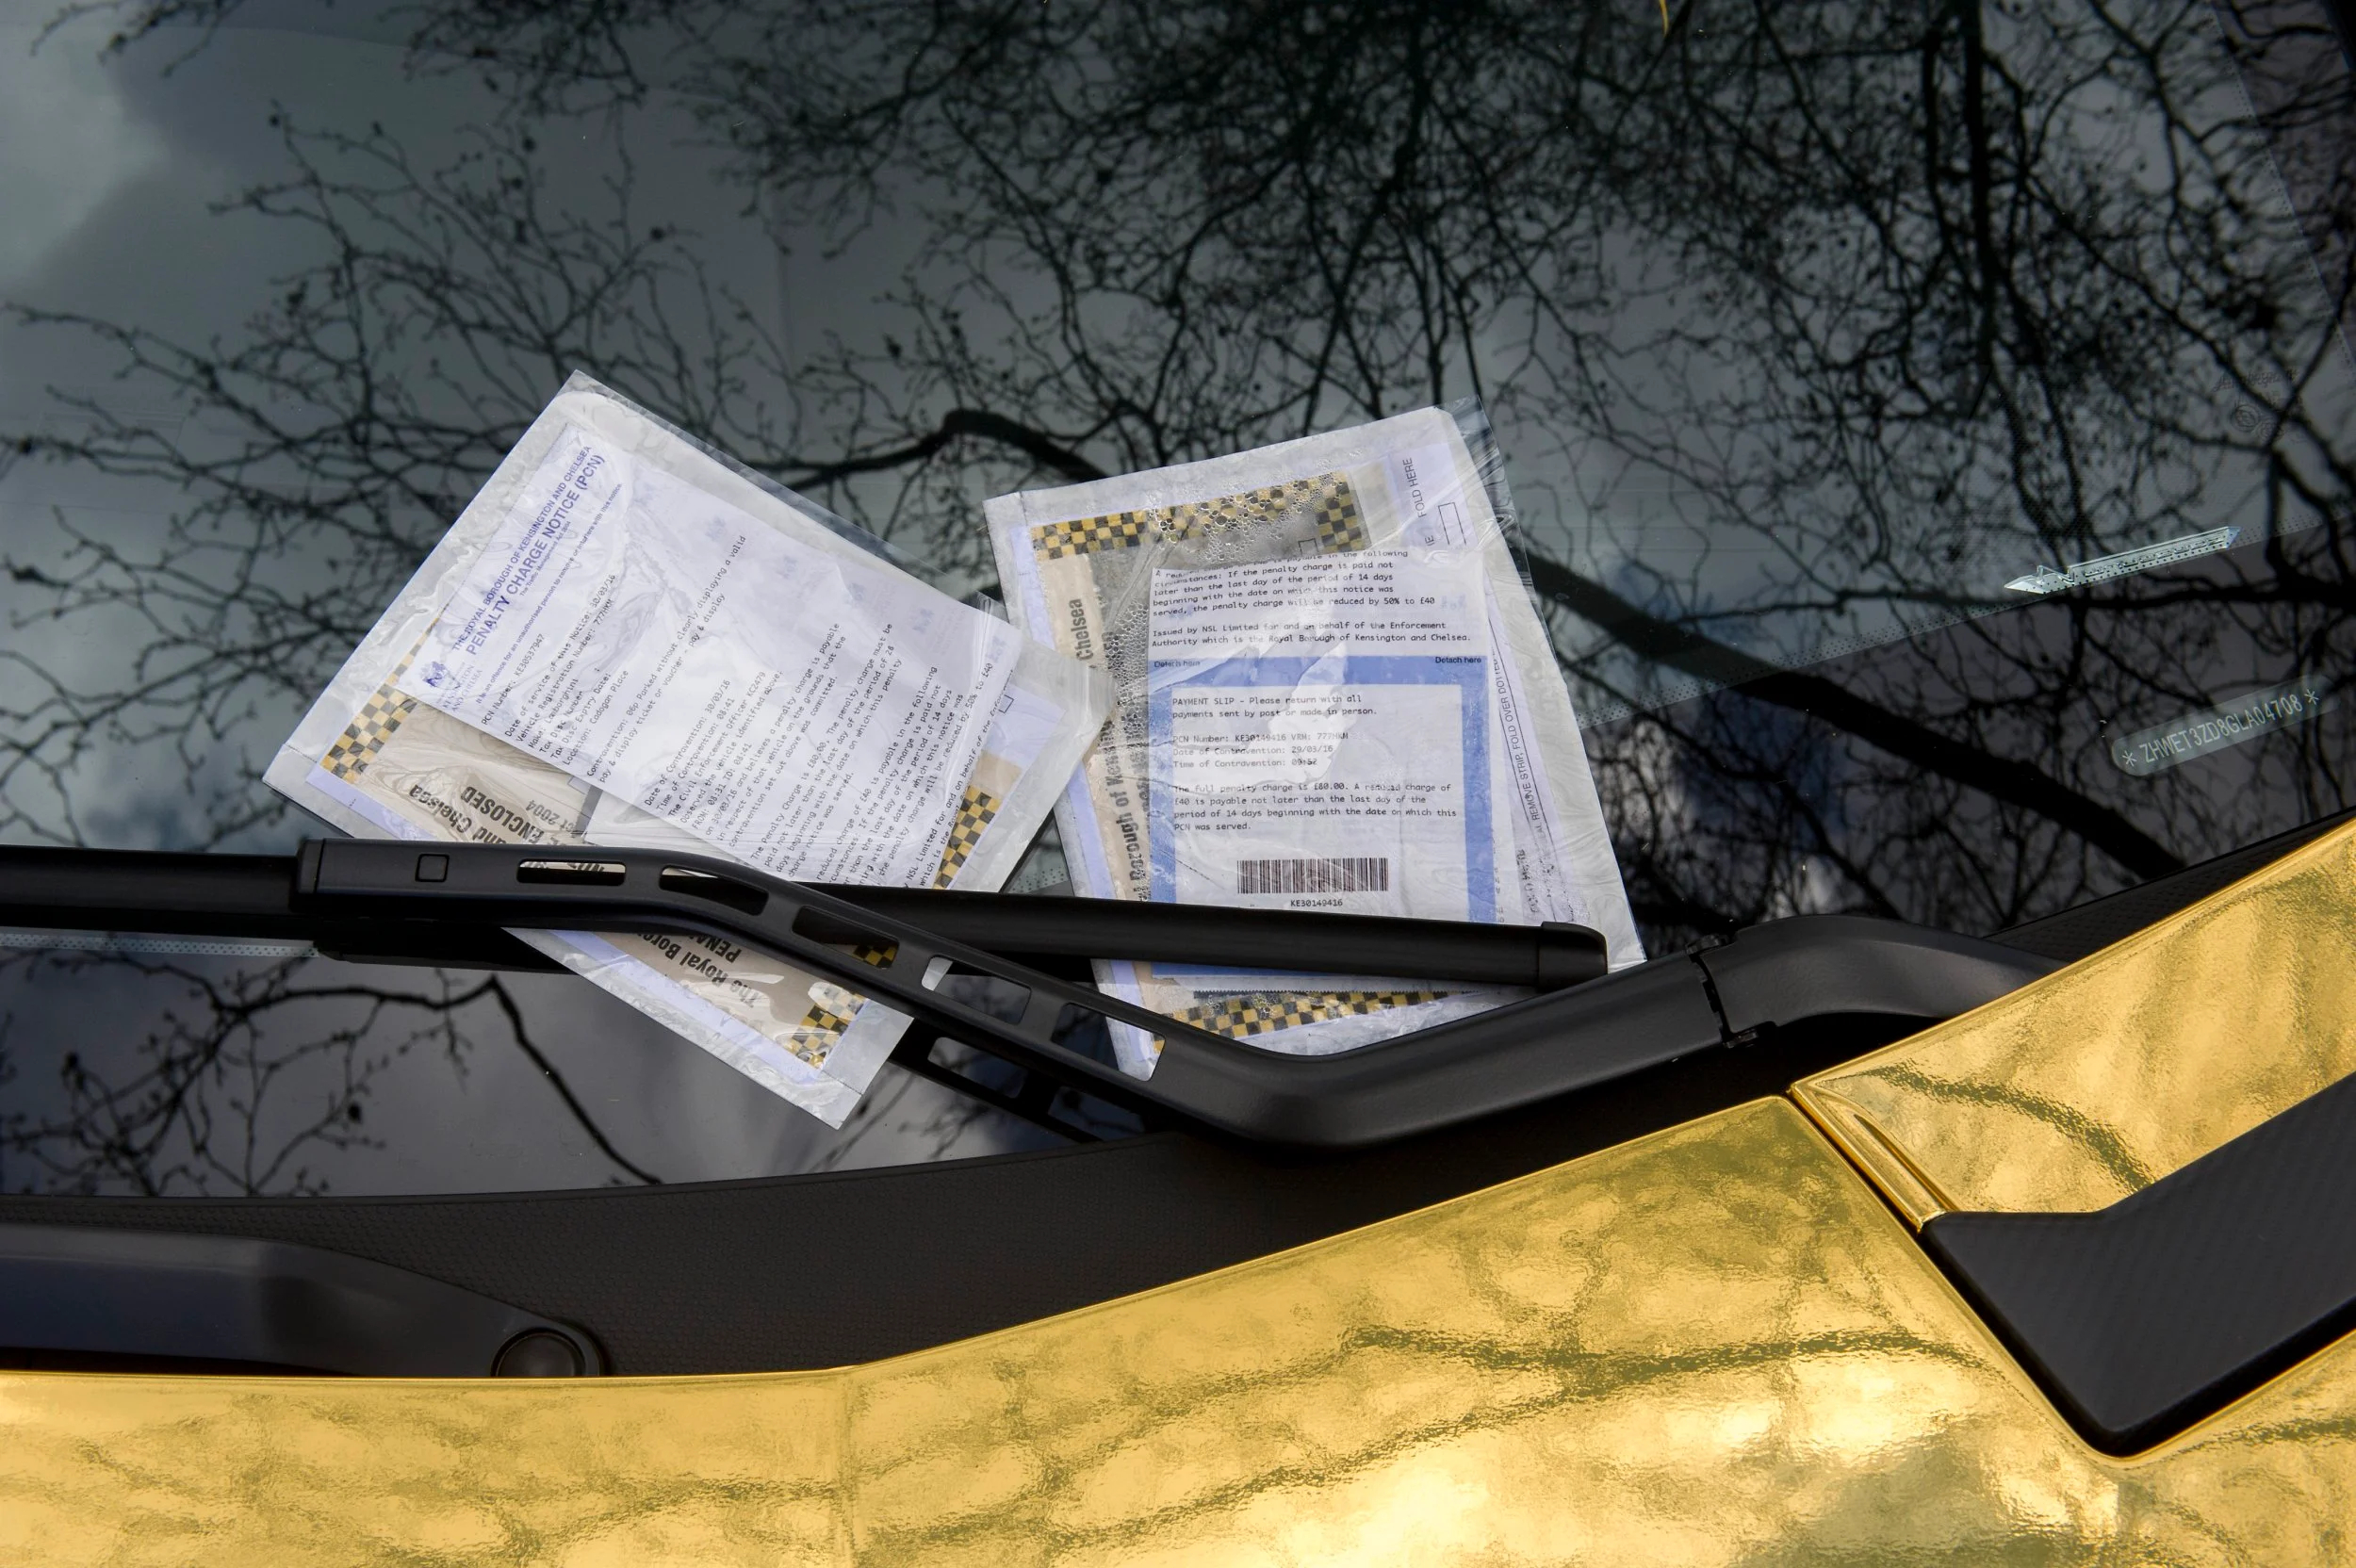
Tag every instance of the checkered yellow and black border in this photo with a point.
(366, 735)
(1340, 526)
(820, 1028)
(817, 1034)
(1242, 1017)
(974, 814)
(1326, 497)
(1088, 535)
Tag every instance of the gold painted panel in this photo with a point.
(287, 1471)
(2072, 1092)
(1713, 1345)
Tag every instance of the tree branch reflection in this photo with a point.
(1807, 330)
(236, 1077)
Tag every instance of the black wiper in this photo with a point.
(397, 897)
(253, 895)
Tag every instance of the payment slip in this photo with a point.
(1321, 737)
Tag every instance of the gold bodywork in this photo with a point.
(1715, 1345)
(2069, 1094)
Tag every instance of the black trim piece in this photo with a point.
(268, 1305)
(832, 1268)
(2143, 1318)
(2091, 926)
(786, 1272)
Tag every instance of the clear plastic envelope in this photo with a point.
(1331, 690)
(628, 639)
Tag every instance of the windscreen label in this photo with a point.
(2255, 713)
(2048, 579)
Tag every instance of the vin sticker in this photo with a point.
(2198, 734)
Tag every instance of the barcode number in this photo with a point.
(1366, 874)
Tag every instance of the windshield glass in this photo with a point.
(1929, 429)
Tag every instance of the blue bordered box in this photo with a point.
(1467, 673)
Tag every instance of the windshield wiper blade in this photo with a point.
(167, 893)
(250, 896)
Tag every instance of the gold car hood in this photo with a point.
(1715, 1345)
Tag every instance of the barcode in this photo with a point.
(1368, 874)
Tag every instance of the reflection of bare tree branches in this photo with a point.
(1902, 737)
(1892, 293)
(522, 1032)
(243, 1075)
(958, 424)
(918, 1119)
(1811, 327)
(332, 445)
(135, 19)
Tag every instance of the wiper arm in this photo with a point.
(1553, 1044)
(1543, 957)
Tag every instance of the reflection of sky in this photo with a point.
(139, 246)
(119, 185)
(68, 144)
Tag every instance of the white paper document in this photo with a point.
(1237, 784)
(811, 715)
(637, 607)
(1321, 737)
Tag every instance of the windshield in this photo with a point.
(1928, 429)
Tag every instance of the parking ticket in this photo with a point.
(665, 661)
(625, 625)
(1085, 566)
